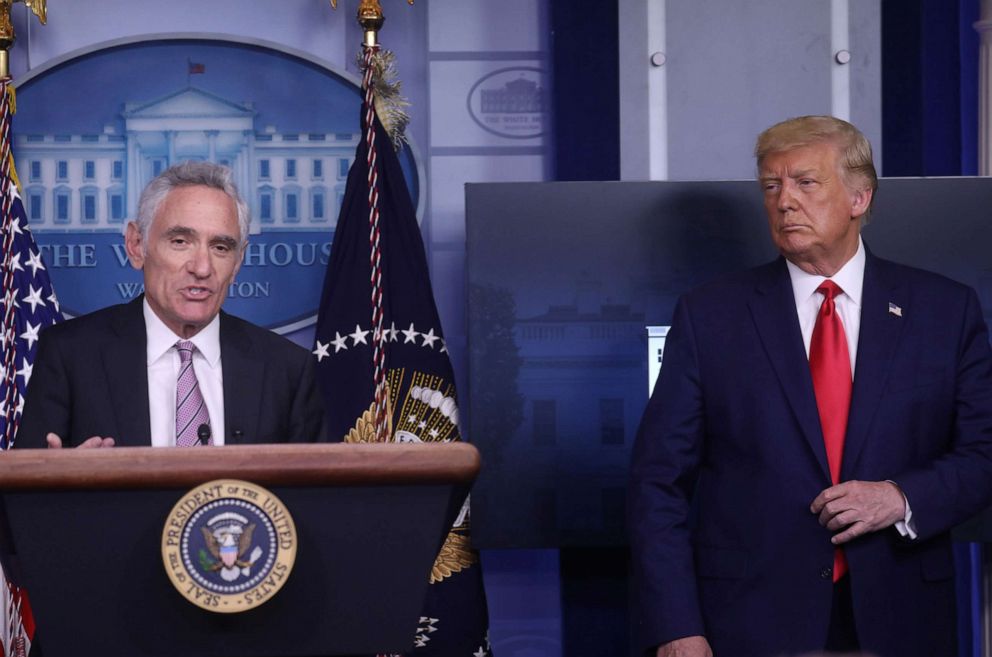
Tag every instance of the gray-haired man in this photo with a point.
(170, 367)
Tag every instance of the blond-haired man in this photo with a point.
(818, 426)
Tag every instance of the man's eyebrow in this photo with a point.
(180, 231)
(225, 240)
(792, 175)
(186, 231)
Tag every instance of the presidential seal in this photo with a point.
(228, 545)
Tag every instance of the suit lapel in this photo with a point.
(125, 367)
(773, 308)
(877, 341)
(243, 376)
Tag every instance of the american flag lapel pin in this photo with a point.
(895, 310)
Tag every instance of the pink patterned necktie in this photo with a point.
(830, 365)
(191, 411)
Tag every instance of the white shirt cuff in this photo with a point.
(906, 527)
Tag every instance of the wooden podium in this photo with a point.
(82, 531)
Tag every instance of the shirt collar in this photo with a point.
(160, 338)
(850, 278)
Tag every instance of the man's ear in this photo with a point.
(134, 245)
(861, 201)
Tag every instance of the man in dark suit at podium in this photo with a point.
(819, 425)
(170, 368)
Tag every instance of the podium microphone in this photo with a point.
(203, 433)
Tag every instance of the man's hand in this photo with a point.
(690, 646)
(858, 508)
(54, 442)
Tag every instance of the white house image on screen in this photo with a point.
(292, 181)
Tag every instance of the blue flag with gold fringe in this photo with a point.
(419, 383)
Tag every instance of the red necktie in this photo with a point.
(830, 365)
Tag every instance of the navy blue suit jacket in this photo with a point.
(730, 455)
(90, 378)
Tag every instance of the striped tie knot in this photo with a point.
(185, 349)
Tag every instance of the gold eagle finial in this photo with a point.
(369, 8)
(38, 7)
(370, 17)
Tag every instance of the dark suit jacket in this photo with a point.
(730, 455)
(90, 378)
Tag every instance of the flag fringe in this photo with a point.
(390, 105)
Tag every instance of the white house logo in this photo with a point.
(83, 159)
(510, 102)
(228, 545)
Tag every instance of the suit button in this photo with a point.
(827, 573)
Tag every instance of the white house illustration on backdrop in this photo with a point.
(79, 182)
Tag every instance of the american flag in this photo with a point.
(28, 305)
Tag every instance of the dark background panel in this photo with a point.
(564, 279)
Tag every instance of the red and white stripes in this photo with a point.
(6, 229)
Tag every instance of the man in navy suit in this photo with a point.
(111, 377)
(772, 513)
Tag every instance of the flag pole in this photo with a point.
(371, 19)
(6, 38)
(7, 29)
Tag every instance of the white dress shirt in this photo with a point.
(850, 278)
(163, 370)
